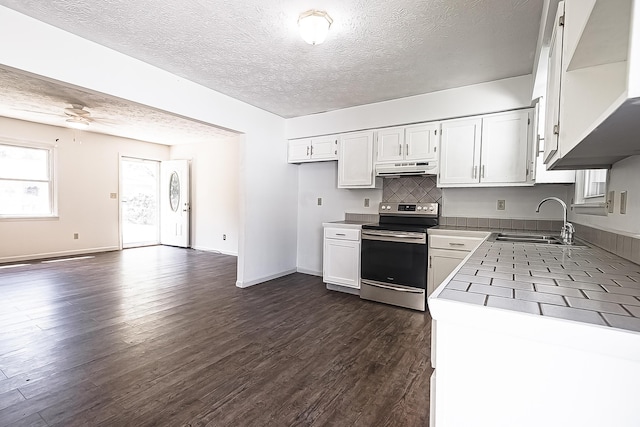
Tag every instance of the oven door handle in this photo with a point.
(389, 237)
(392, 288)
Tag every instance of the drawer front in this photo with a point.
(342, 233)
(456, 243)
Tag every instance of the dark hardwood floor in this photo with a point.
(162, 336)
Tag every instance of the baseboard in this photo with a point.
(344, 289)
(58, 254)
(218, 251)
(264, 279)
(311, 272)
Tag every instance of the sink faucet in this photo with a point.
(567, 229)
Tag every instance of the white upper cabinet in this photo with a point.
(415, 143)
(491, 150)
(599, 84)
(313, 149)
(421, 142)
(460, 152)
(355, 161)
(554, 70)
(390, 145)
(505, 151)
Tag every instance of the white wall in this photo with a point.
(482, 98)
(214, 193)
(624, 176)
(321, 180)
(268, 186)
(87, 171)
(520, 202)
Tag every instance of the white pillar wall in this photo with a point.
(267, 184)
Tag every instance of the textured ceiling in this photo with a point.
(29, 98)
(376, 49)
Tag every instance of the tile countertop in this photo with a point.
(583, 284)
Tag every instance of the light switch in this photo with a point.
(113, 195)
(319, 201)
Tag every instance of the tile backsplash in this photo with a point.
(411, 189)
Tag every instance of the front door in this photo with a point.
(174, 202)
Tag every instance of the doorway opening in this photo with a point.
(140, 202)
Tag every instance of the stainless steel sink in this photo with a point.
(531, 238)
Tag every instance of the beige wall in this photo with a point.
(214, 194)
(87, 171)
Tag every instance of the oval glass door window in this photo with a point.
(174, 192)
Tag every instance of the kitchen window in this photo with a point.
(591, 191)
(26, 180)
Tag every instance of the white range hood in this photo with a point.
(406, 169)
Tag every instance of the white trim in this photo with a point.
(218, 251)
(345, 289)
(29, 218)
(264, 279)
(311, 272)
(57, 254)
(590, 209)
(52, 181)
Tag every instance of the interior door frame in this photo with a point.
(119, 194)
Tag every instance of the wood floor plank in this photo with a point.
(161, 336)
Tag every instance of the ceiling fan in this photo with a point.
(78, 117)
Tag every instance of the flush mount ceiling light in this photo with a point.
(314, 25)
(78, 122)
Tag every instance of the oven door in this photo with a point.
(394, 257)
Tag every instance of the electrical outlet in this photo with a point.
(224, 237)
(319, 201)
(366, 203)
(623, 202)
(75, 236)
(501, 205)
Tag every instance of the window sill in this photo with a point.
(599, 208)
(29, 218)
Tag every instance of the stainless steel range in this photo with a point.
(394, 254)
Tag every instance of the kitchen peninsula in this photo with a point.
(537, 335)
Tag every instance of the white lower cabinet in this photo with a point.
(341, 257)
(441, 264)
(446, 252)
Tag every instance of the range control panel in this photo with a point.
(424, 209)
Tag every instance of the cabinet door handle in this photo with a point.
(481, 168)
(307, 150)
(340, 234)
(406, 149)
(556, 129)
(400, 149)
(312, 150)
(455, 244)
(430, 262)
(475, 172)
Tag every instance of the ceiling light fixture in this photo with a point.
(78, 122)
(314, 26)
